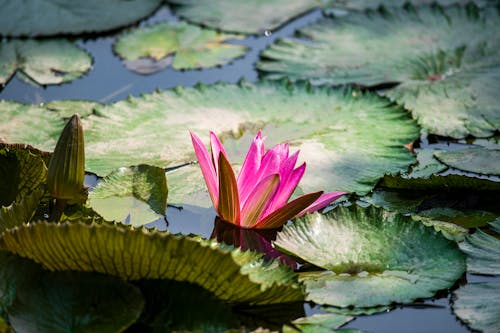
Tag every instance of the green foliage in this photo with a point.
(373, 257)
(51, 61)
(483, 253)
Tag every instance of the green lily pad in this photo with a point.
(41, 301)
(249, 17)
(483, 253)
(373, 257)
(478, 159)
(478, 306)
(21, 172)
(137, 193)
(66, 109)
(52, 61)
(374, 4)
(52, 17)
(332, 128)
(190, 46)
(465, 218)
(396, 201)
(447, 61)
(320, 323)
(20, 212)
(134, 254)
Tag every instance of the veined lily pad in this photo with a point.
(52, 61)
(242, 16)
(320, 323)
(20, 212)
(478, 159)
(137, 194)
(373, 257)
(135, 254)
(478, 305)
(374, 4)
(483, 253)
(21, 172)
(332, 128)
(57, 302)
(52, 17)
(190, 46)
(447, 61)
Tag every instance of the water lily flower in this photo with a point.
(258, 198)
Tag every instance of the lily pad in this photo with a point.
(478, 159)
(21, 172)
(374, 4)
(51, 61)
(190, 46)
(53, 17)
(41, 301)
(134, 254)
(320, 323)
(137, 194)
(373, 257)
(478, 306)
(241, 16)
(447, 61)
(483, 253)
(332, 128)
(20, 212)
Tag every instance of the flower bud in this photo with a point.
(66, 171)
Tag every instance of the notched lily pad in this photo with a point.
(137, 194)
(372, 257)
(52, 61)
(478, 306)
(52, 17)
(483, 253)
(320, 323)
(191, 47)
(332, 128)
(134, 254)
(241, 16)
(478, 159)
(446, 59)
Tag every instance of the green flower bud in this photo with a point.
(67, 166)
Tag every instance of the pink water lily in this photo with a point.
(258, 198)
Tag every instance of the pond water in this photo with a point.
(110, 81)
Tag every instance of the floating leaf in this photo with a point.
(374, 4)
(51, 61)
(135, 254)
(52, 17)
(483, 253)
(21, 172)
(465, 218)
(68, 108)
(373, 257)
(478, 305)
(190, 46)
(447, 61)
(20, 212)
(320, 323)
(250, 17)
(478, 159)
(138, 193)
(41, 301)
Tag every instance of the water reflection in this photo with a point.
(250, 239)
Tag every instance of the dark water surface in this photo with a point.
(110, 81)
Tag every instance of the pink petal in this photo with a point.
(217, 148)
(207, 168)
(323, 201)
(229, 204)
(286, 189)
(251, 165)
(258, 200)
(270, 165)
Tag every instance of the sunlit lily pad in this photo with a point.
(332, 128)
(243, 16)
(21, 172)
(478, 159)
(483, 253)
(135, 194)
(52, 61)
(478, 305)
(191, 47)
(52, 17)
(83, 302)
(320, 323)
(135, 254)
(20, 212)
(373, 257)
(447, 61)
